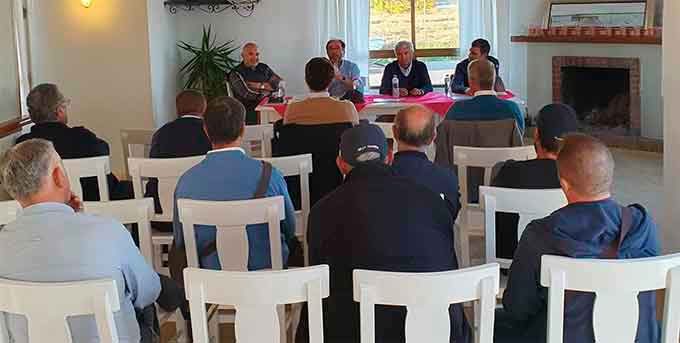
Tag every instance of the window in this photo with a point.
(432, 26)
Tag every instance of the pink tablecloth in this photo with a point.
(437, 102)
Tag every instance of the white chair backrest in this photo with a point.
(46, 306)
(135, 211)
(616, 284)
(427, 297)
(486, 158)
(167, 171)
(8, 211)
(255, 295)
(529, 204)
(78, 168)
(136, 143)
(258, 133)
(231, 218)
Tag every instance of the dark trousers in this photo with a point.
(506, 330)
(170, 299)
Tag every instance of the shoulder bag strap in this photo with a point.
(611, 251)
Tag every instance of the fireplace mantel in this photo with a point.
(587, 40)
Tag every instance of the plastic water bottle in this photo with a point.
(281, 93)
(447, 81)
(395, 86)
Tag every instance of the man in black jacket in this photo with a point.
(378, 221)
(479, 49)
(47, 108)
(414, 79)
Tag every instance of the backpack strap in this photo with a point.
(611, 251)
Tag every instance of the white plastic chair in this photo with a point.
(300, 165)
(257, 297)
(616, 284)
(470, 217)
(46, 306)
(231, 218)
(427, 297)
(138, 211)
(136, 143)
(529, 204)
(8, 211)
(78, 168)
(262, 134)
(167, 171)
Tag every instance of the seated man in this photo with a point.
(182, 137)
(378, 221)
(251, 81)
(485, 105)
(347, 74)
(51, 242)
(480, 49)
(47, 109)
(225, 174)
(589, 227)
(414, 130)
(319, 107)
(414, 79)
(552, 122)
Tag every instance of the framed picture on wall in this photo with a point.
(626, 13)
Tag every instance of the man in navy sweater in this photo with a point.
(485, 105)
(414, 79)
(480, 49)
(588, 227)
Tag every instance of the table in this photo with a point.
(377, 104)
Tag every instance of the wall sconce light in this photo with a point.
(86, 3)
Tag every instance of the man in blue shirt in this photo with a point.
(414, 130)
(590, 226)
(51, 242)
(347, 74)
(479, 49)
(226, 174)
(485, 105)
(414, 79)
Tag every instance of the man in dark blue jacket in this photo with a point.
(479, 49)
(378, 221)
(586, 228)
(414, 79)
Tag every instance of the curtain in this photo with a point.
(477, 20)
(347, 20)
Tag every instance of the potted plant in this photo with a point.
(208, 65)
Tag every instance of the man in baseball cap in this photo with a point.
(553, 122)
(380, 221)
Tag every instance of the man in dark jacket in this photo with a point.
(47, 108)
(586, 228)
(414, 131)
(479, 49)
(378, 221)
(414, 79)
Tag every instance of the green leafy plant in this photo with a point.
(209, 64)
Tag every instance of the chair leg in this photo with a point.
(464, 247)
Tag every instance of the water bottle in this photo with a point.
(395, 86)
(281, 93)
(447, 81)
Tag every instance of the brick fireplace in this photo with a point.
(604, 90)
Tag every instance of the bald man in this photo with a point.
(485, 105)
(414, 130)
(592, 225)
(251, 80)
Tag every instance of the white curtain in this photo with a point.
(348, 20)
(477, 20)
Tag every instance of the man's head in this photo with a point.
(481, 75)
(190, 102)
(586, 168)
(552, 123)
(250, 54)
(414, 128)
(480, 48)
(335, 49)
(46, 104)
(404, 53)
(224, 122)
(32, 172)
(319, 74)
(364, 143)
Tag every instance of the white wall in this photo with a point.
(522, 14)
(9, 83)
(164, 62)
(283, 29)
(100, 58)
(670, 233)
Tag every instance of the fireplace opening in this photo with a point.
(601, 98)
